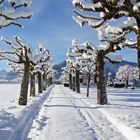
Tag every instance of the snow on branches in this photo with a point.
(41, 59)
(136, 7)
(112, 10)
(127, 72)
(86, 5)
(26, 62)
(11, 14)
(19, 51)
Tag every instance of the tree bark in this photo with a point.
(73, 83)
(101, 87)
(77, 81)
(88, 81)
(24, 86)
(32, 84)
(126, 83)
(39, 82)
(44, 81)
(138, 48)
(50, 79)
(70, 81)
(133, 83)
(48, 83)
(95, 75)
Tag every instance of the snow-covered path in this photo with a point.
(65, 117)
(63, 121)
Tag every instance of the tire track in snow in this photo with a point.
(64, 120)
(127, 131)
(99, 124)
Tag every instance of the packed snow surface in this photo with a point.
(61, 114)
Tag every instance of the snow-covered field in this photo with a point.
(60, 114)
(15, 120)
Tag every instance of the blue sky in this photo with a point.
(53, 25)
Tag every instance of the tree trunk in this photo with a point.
(39, 82)
(101, 87)
(32, 84)
(44, 81)
(126, 83)
(133, 83)
(88, 81)
(24, 86)
(95, 75)
(50, 79)
(138, 48)
(73, 83)
(70, 81)
(77, 82)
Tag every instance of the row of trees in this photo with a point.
(112, 38)
(28, 63)
(20, 56)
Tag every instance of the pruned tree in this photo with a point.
(50, 75)
(40, 64)
(109, 81)
(19, 53)
(26, 62)
(64, 75)
(87, 66)
(67, 73)
(126, 73)
(74, 70)
(112, 38)
(85, 60)
(99, 54)
(10, 13)
(108, 10)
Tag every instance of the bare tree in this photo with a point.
(113, 38)
(126, 73)
(10, 12)
(74, 71)
(26, 62)
(19, 53)
(98, 54)
(84, 60)
(111, 9)
(41, 62)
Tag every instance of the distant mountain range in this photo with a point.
(11, 76)
(58, 68)
(8, 76)
(109, 67)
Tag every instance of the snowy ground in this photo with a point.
(15, 120)
(60, 114)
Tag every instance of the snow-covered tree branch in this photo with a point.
(26, 62)
(108, 10)
(11, 14)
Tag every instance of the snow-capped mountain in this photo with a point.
(7, 75)
(109, 67)
(3, 74)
